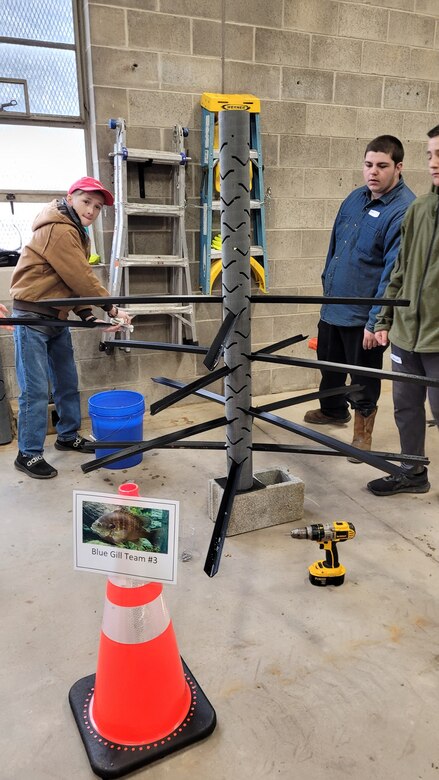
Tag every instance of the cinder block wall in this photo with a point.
(331, 75)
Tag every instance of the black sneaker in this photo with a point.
(404, 483)
(78, 443)
(35, 466)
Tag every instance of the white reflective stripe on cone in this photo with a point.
(125, 582)
(134, 625)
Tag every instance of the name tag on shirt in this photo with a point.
(374, 213)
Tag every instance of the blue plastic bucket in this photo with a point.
(117, 415)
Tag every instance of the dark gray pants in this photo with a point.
(409, 399)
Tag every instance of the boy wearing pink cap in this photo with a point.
(88, 184)
(54, 264)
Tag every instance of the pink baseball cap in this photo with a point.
(88, 184)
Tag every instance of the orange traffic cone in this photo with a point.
(143, 703)
(138, 664)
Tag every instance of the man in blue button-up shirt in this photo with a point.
(363, 248)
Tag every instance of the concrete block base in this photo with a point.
(276, 497)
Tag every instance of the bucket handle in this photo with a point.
(93, 438)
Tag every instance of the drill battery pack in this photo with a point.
(320, 574)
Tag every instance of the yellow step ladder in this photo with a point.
(210, 248)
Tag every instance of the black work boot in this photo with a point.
(34, 466)
(78, 443)
(404, 483)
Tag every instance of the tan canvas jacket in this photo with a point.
(54, 264)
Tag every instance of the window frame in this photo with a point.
(81, 122)
(54, 120)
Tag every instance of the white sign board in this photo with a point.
(132, 536)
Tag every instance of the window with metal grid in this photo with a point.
(42, 122)
(39, 73)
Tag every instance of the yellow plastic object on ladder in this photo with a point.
(216, 242)
(258, 271)
(215, 267)
(214, 101)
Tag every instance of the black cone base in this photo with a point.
(110, 759)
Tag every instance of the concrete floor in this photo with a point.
(322, 683)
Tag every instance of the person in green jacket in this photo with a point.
(414, 331)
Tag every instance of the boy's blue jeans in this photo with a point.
(40, 358)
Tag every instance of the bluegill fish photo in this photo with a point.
(133, 527)
(117, 526)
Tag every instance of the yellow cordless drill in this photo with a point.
(330, 571)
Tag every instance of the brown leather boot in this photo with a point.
(363, 427)
(317, 417)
